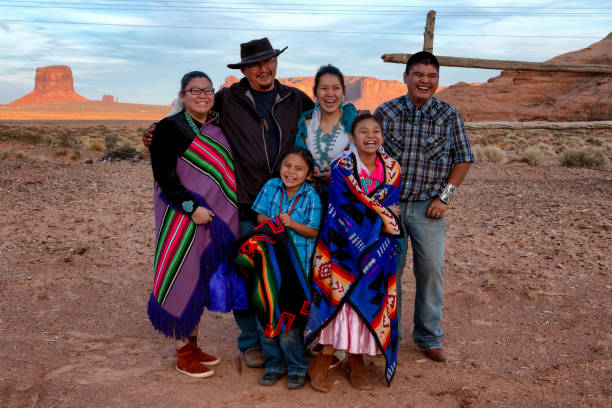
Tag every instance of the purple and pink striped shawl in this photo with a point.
(192, 262)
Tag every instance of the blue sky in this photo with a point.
(137, 50)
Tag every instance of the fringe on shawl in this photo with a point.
(221, 248)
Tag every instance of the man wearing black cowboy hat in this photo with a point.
(259, 117)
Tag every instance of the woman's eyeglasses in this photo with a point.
(199, 91)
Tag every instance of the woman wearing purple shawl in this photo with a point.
(196, 223)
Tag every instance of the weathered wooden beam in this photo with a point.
(428, 35)
(603, 124)
(502, 64)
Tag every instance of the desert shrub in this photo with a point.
(145, 152)
(61, 153)
(76, 154)
(125, 151)
(110, 142)
(533, 156)
(584, 157)
(27, 135)
(95, 145)
(488, 154)
(69, 138)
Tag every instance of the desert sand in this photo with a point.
(527, 315)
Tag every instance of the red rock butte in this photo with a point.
(52, 84)
(541, 96)
(366, 93)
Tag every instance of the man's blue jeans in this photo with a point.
(427, 239)
(285, 350)
(251, 335)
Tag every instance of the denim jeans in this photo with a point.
(251, 335)
(285, 350)
(427, 237)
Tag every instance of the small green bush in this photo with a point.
(584, 157)
(488, 154)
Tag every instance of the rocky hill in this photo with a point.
(546, 96)
(365, 92)
(52, 84)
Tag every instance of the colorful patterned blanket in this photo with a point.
(279, 291)
(355, 257)
(193, 267)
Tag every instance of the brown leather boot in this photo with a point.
(357, 373)
(187, 363)
(317, 370)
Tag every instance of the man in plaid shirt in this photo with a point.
(427, 137)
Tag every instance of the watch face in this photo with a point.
(188, 206)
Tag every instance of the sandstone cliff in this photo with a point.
(545, 96)
(52, 84)
(365, 92)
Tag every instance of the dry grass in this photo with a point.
(521, 145)
(122, 138)
(534, 156)
(117, 138)
(584, 157)
(488, 154)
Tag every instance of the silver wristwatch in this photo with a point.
(447, 194)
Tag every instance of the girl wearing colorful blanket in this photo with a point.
(353, 283)
(291, 201)
(196, 223)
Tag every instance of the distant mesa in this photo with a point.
(109, 99)
(52, 84)
(365, 92)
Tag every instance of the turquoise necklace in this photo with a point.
(192, 123)
(322, 145)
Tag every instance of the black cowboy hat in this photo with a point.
(255, 51)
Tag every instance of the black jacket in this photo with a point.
(244, 129)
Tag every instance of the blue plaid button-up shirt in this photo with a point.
(307, 211)
(426, 140)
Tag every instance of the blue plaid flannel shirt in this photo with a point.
(426, 140)
(307, 211)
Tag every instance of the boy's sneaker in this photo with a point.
(254, 359)
(296, 381)
(270, 378)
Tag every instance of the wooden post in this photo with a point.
(429, 31)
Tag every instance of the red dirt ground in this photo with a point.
(527, 314)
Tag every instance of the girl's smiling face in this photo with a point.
(293, 172)
(367, 136)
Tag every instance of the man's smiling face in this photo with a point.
(260, 74)
(422, 82)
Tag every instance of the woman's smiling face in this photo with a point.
(197, 106)
(329, 93)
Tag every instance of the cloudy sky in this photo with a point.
(137, 50)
